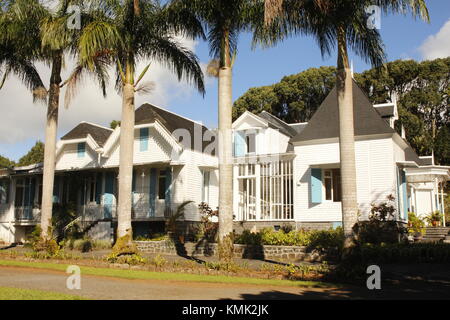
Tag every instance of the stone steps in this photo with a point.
(436, 234)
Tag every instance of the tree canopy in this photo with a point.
(6, 163)
(35, 155)
(294, 99)
(422, 90)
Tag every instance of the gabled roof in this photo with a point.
(279, 124)
(98, 133)
(148, 113)
(325, 122)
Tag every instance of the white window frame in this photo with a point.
(206, 188)
(324, 189)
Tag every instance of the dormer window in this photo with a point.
(81, 148)
(250, 139)
(244, 142)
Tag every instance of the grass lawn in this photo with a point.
(149, 275)
(28, 294)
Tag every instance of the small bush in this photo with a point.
(315, 239)
(159, 261)
(415, 224)
(131, 259)
(381, 226)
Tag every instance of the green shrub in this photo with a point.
(381, 226)
(159, 261)
(315, 239)
(415, 224)
(131, 259)
(154, 237)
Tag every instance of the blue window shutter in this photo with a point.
(168, 199)
(144, 139)
(56, 190)
(404, 194)
(98, 188)
(316, 185)
(239, 144)
(81, 149)
(152, 192)
(108, 197)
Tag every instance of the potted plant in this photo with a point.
(434, 218)
(416, 226)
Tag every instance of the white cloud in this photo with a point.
(20, 119)
(438, 45)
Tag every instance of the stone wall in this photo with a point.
(290, 253)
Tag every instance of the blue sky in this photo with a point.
(404, 38)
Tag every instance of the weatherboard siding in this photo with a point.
(374, 177)
(69, 158)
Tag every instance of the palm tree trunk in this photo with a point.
(225, 158)
(126, 163)
(344, 87)
(50, 147)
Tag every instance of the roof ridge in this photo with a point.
(275, 117)
(96, 125)
(176, 114)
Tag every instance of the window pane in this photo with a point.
(328, 188)
(19, 196)
(251, 143)
(162, 185)
(337, 193)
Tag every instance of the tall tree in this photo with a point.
(35, 32)
(422, 93)
(294, 99)
(34, 156)
(224, 20)
(6, 163)
(128, 32)
(340, 24)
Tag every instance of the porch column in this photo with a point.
(258, 190)
(443, 203)
(236, 193)
(412, 197)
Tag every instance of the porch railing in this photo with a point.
(27, 214)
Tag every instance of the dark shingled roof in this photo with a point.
(99, 134)
(298, 126)
(325, 122)
(278, 124)
(148, 113)
(385, 111)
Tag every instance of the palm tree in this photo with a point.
(341, 24)
(33, 32)
(127, 32)
(223, 20)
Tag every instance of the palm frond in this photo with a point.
(146, 87)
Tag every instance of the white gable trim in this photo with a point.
(246, 114)
(88, 140)
(115, 136)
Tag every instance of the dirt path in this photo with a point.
(104, 288)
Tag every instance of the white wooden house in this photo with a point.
(170, 167)
(290, 173)
(283, 173)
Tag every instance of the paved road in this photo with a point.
(105, 288)
(95, 287)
